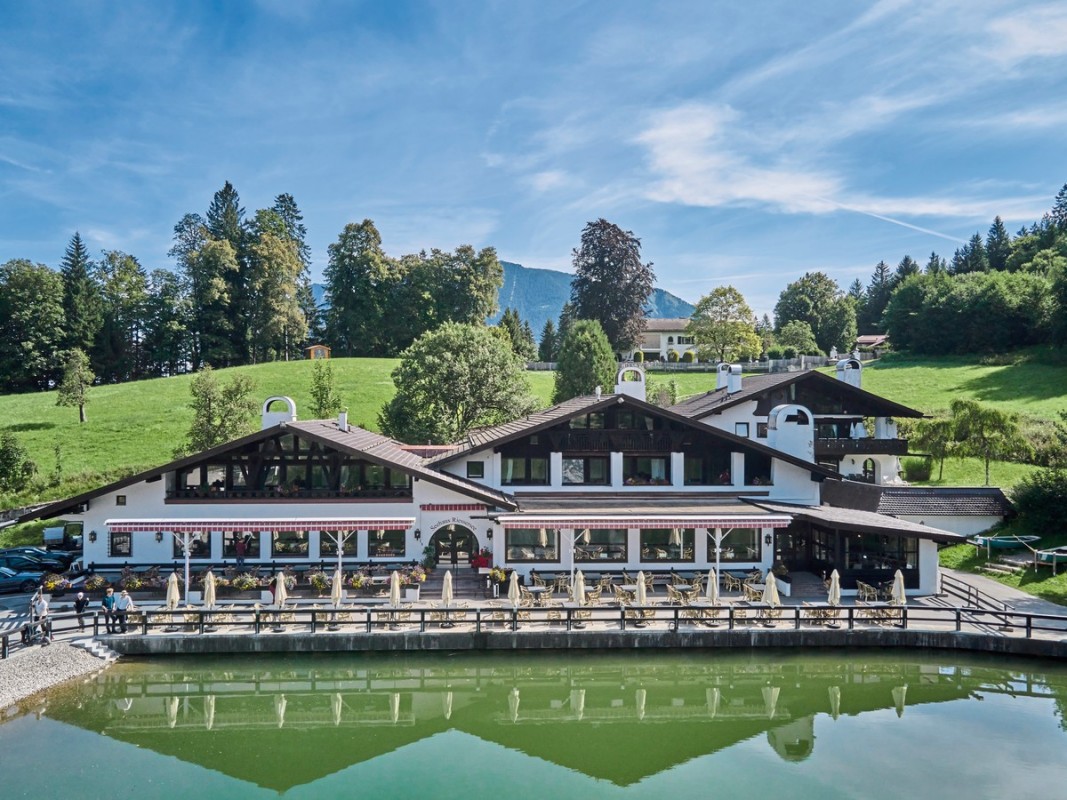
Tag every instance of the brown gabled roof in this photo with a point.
(852, 519)
(373, 446)
(498, 435)
(675, 325)
(754, 386)
(932, 501)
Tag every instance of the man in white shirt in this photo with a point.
(123, 606)
(40, 616)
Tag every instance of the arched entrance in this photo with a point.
(454, 545)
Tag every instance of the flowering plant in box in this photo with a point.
(95, 582)
(497, 575)
(244, 582)
(358, 580)
(54, 583)
(413, 575)
(319, 581)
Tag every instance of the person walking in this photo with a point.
(81, 602)
(108, 604)
(123, 606)
(40, 615)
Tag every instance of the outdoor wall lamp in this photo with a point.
(418, 535)
(159, 536)
(92, 536)
(489, 534)
(767, 539)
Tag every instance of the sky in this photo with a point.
(742, 143)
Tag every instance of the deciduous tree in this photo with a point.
(987, 433)
(325, 402)
(611, 285)
(817, 300)
(221, 411)
(76, 382)
(724, 327)
(451, 380)
(31, 325)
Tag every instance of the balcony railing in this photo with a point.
(861, 447)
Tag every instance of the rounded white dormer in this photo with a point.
(791, 429)
(850, 371)
(272, 418)
(630, 381)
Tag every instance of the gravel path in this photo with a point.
(36, 668)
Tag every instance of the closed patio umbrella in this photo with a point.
(513, 590)
(513, 704)
(834, 597)
(542, 537)
(209, 712)
(641, 595)
(770, 594)
(899, 695)
(770, 700)
(578, 703)
(897, 597)
(209, 589)
(640, 698)
(279, 708)
(446, 590)
(337, 704)
(713, 697)
(394, 589)
(835, 701)
(174, 596)
(281, 594)
(579, 589)
(711, 593)
(337, 590)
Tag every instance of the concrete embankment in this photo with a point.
(496, 641)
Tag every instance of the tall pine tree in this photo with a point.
(998, 245)
(82, 306)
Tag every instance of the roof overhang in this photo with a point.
(260, 524)
(849, 519)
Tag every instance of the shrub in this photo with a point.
(1040, 499)
(688, 357)
(916, 469)
(789, 352)
(639, 356)
(774, 353)
(672, 356)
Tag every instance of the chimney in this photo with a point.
(721, 375)
(272, 418)
(849, 370)
(342, 421)
(630, 381)
(733, 379)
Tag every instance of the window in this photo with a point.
(741, 429)
(739, 544)
(120, 544)
(199, 545)
(386, 544)
(646, 470)
(591, 470)
(600, 544)
(289, 544)
(711, 468)
(757, 469)
(761, 430)
(475, 469)
(531, 544)
(524, 470)
(667, 544)
(686, 340)
(328, 542)
(594, 421)
(229, 541)
(120, 499)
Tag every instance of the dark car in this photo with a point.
(11, 581)
(61, 557)
(16, 562)
(51, 563)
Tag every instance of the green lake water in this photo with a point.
(683, 725)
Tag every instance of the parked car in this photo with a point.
(55, 562)
(12, 581)
(18, 562)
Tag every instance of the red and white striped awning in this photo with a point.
(511, 521)
(255, 525)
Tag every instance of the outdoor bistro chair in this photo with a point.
(537, 579)
(731, 583)
(866, 593)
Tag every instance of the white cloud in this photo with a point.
(548, 180)
(1033, 33)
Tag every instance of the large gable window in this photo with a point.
(646, 470)
(524, 470)
(586, 471)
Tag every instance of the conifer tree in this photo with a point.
(546, 349)
(82, 310)
(998, 245)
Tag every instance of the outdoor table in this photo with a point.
(822, 614)
(537, 591)
(704, 607)
(753, 591)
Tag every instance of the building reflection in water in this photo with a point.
(677, 709)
